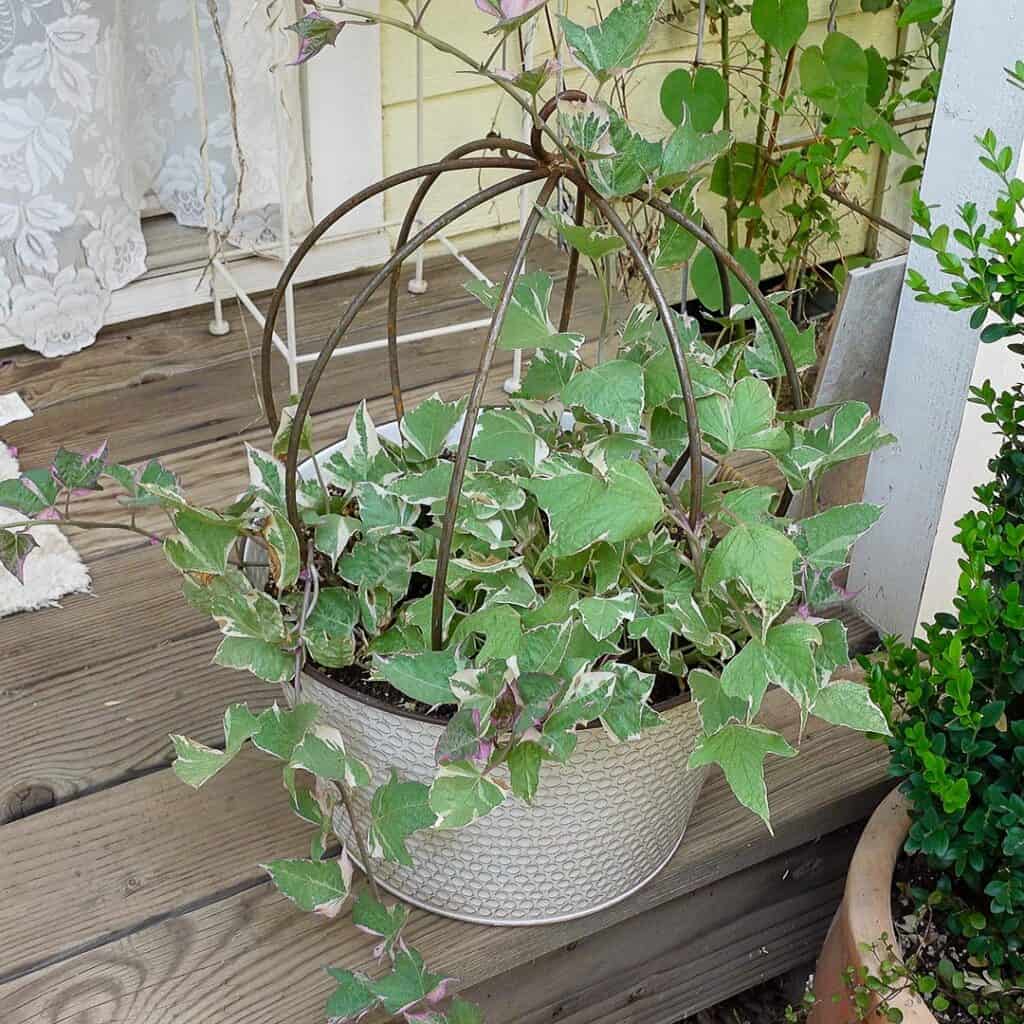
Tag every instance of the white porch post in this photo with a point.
(933, 351)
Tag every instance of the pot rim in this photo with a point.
(868, 904)
(366, 699)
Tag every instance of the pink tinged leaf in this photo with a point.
(441, 992)
(483, 751)
(11, 450)
(14, 550)
(51, 514)
(98, 453)
(315, 31)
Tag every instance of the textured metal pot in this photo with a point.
(600, 828)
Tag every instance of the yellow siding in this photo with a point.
(459, 107)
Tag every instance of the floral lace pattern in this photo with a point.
(98, 108)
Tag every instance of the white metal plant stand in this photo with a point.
(221, 276)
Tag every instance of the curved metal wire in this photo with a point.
(444, 549)
(536, 135)
(411, 214)
(741, 275)
(679, 357)
(569, 296)
(357, 303)
(536, 163)
(324, 225)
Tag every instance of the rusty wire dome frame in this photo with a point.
(534, 163)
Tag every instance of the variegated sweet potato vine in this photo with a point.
(577, 580)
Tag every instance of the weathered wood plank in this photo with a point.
(687, 954)
(129, 864)
(160, 413)
(76, 874)
(131, 354)
(108, 721)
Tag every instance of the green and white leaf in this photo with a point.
(687, 151)
(601, 616)
(332, 534)
(612, 45)
(612, 391)
(504, 435)
(524, 761)
(589, 241)
(785, 657)
(461, 793)
(424, 676)
(743, 421)
(849, 703)
(322, 752)
(628, 714)
(202, 543)
(263, 658)
(321, 886)
(584, 508)
(761, 559)
(427, 426)
(715, 706)
(280, 731)
(825, 539)
(398, 809)
(527, 324)
(740, 751)
(197, 763)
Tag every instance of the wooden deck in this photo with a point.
(126, 898)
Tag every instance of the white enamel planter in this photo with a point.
(600, 828)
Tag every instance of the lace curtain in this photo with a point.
(99, 108)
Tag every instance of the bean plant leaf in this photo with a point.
(527, 324)
(461, 793)
(761, 559)
(611, 391)
(589, 241)
(584, 508)
(424, 676)
(707, 285)
(825, 539)
(321, 886)
(427, 426)
(698, 97)
(612, 45)
(15, 547)
(740, 751)
(780, 23)
(849, 703)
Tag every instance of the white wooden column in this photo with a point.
(933, 350)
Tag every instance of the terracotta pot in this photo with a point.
(864, 916)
